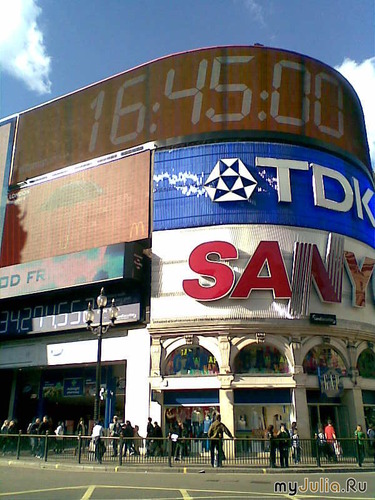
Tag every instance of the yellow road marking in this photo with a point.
(185, 494)
(90, 490)
(233, 493)
(46, 490)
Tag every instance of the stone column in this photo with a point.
(227, 408)
(224, 346)
(226, 400)
(302, 413)
(155, 356)
(352, 399)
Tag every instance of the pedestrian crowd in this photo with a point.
(282, 441)
(126, 441)
(328, 445)
(37, 429)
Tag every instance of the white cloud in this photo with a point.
(22, 50)
(362, 77)
(255, 9)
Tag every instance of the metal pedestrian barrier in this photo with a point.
(202, 452)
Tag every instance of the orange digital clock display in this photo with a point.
(216, 93)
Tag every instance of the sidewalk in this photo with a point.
(68, 464)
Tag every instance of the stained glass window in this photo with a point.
(323, 357)
(191, 360)
(257, 358)
(366, 364)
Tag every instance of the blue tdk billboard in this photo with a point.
(262, 183)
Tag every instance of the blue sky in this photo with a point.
(49, 48)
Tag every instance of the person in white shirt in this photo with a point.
(96, 436)
(59, 431)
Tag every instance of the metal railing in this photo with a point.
(236, 452)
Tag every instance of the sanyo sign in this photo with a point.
(350, 194)
(266, 270)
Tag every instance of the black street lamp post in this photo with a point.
(100, 330)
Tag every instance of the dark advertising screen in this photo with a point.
(97, 207)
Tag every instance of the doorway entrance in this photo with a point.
(338, 414)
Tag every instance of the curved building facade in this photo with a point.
(262, 303)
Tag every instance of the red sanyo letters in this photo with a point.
(207, 260)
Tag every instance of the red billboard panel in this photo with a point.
(96, 207)
(210, 93)
(6, 143)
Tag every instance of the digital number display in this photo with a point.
(62, 316)
(209, 93)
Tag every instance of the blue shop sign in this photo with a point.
(73, 387)
(262, 183)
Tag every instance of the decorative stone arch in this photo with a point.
(170, 345)
(212, 346)
(342, 348)
(308, 344)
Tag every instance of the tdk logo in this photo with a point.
(230, 180)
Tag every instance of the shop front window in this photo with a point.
(369, 415)
(324, 358)
(257, 358)
(196, 419)
(191, 360)
(366, 364)
(253, 420)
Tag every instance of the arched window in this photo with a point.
(259, 358)
(366, 364)
(323, 357)
(191, 360)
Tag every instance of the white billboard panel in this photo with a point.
(245, 272)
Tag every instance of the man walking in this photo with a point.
(216, 434)
(115, 430)
(43, 428)
(371, 436)
(360, 436)
(330, 434)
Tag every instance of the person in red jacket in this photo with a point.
(330, 435)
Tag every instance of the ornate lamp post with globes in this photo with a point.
(100, 330)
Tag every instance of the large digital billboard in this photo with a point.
(262, 183)
(221, 92)
(100, 206)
